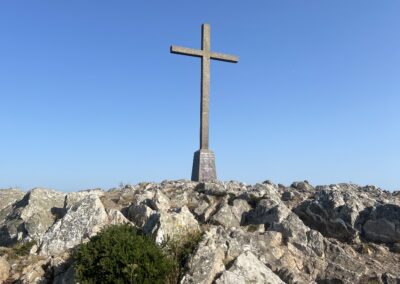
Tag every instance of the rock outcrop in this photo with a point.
(30, 217)
(263, 233)
(247, 268)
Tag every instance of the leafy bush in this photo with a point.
(121, 254)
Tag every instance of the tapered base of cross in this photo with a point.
(204, 166)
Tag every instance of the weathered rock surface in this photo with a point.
(10, 196)
(345, 211)
(263, 233)
(30, 217)
(83, 220)
(173, 224)
(4, 269)
(231, 215)
(248, 269)
(34, 273)
(208, 261)
(383, 224)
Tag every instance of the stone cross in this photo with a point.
(204, 159)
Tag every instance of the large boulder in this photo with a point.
(248, 269)
(139, 214)
(174, 224)
(383, 224)
(205, 206)
(334, 210)
(344, 211)
(83, 220)
(73, 198)
(207, 262)
(8, 232)
(275, 216)
(10, 196)
(34, 273)
(212, 188)
(30, 217)
(231, 215)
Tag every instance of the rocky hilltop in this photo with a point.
(263, 233)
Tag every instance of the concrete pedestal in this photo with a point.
(204, 166)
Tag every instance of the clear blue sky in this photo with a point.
(90, 95)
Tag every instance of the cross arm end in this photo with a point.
(225, 57)
(185, 51)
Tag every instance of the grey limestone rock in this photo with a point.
(248, 269)
(82, 220)
(34, 273)
(73, 198)
(341, 233)
(10, 196)
(231, 215)
(30, 217)
(334, 210)
(139, 214)
(205, 207)
(174, 224)
(207, 262)
(383, 224)
(212, 188)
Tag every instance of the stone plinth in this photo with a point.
(204, 166)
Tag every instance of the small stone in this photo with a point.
(4, 269)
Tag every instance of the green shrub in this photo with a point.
(121, 254)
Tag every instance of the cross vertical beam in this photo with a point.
(204, 159)
(205, 86)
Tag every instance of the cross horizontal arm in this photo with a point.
(186, 51)
(224, 57)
